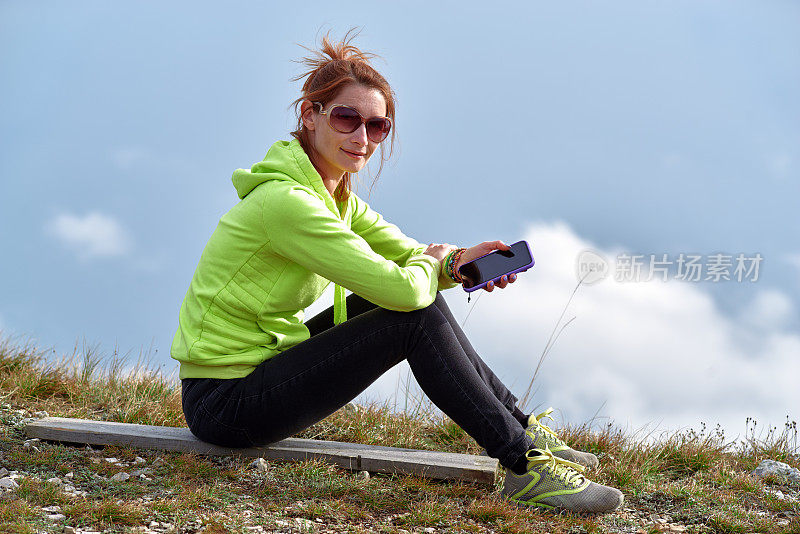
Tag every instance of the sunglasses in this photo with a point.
(345, 119)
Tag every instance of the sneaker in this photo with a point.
(543, 436)
(552, 482)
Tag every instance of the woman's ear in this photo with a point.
(307, 114)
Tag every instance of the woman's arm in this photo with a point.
(302, 229)
(387, 239)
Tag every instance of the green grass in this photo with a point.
(696, 479)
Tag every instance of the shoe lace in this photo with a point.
(537, 422)
(568, 472)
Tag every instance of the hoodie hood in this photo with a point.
(285, 160)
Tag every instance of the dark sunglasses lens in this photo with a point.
(345, 120)
(378, 129)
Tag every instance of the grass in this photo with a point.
(696, 480)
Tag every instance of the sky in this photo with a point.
(632, 135)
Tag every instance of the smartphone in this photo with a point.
(491, 267)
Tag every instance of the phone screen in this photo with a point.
(495, 264)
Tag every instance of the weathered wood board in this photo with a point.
(373, 458)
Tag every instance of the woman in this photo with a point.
(253, 372)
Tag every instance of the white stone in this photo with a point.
(304, 524)
(8, 483)
(260, 465)
(364, 474)
(41, 414)
(52, 509)
(3, 472)
(122, 476)
(112, 460)
(69, 475)
(56, 517)
(778, 469)
(55, 480)
(139, 460)
(69, 530)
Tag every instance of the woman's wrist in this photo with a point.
(450, 264)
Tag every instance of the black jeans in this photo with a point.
(309, 381)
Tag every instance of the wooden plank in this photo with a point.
(373, 458)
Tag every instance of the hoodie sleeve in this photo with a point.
(302, 229)
(387, 240)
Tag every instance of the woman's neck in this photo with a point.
(329, 176)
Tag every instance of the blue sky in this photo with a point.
(642, 127)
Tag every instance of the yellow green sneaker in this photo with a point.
(552, 482)
(544, 437)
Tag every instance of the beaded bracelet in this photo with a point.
(446, 263)
(456, 258)
(450, 262)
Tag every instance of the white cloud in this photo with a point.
(94, 235)
(645, 352)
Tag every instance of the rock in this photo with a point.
(139, 460)
(41, 414)
(8, 483)
(56, 517)
(260, 465)
(778, 470)
(112, 460)
(55, 480)
(429, 530)
(3, 472)
(69, 475)
(69, 530)
(52, 509)
(30, 444)
(304, 524)
(122, 476)
(69, 488)
(364, 474)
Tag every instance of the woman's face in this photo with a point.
(337, 153)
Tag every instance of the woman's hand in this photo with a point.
(481, 250)
(439, 251)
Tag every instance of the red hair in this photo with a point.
(331, 69)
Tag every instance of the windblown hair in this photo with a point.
(331, 69)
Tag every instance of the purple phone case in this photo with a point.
(495, 280)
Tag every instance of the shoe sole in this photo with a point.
(523, 504)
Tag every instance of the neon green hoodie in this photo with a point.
(274, 253)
